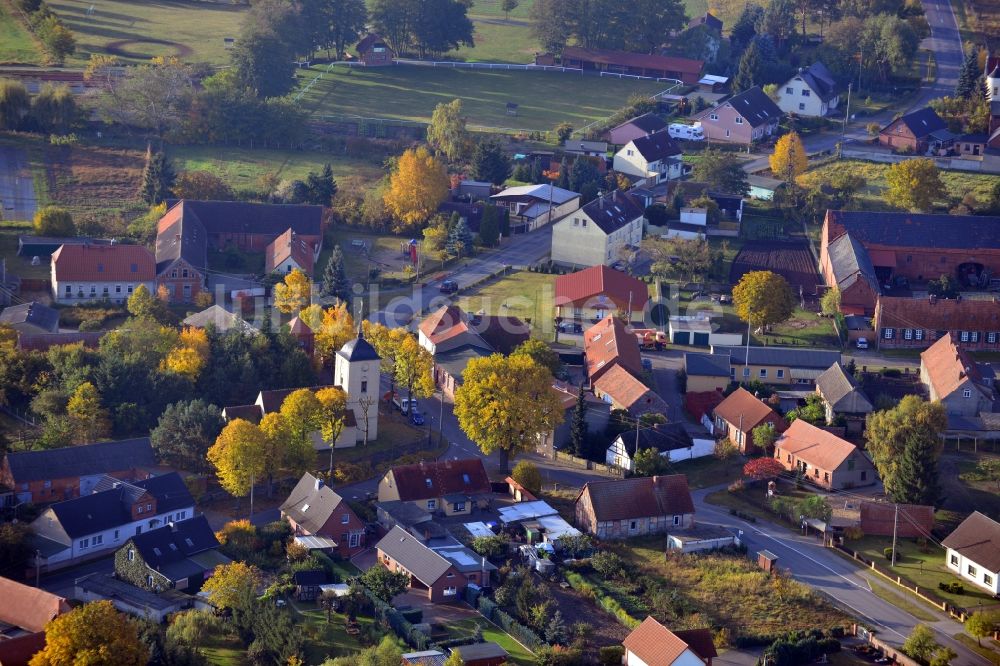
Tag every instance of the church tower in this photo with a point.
(356, 370)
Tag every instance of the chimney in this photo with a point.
(319, 484)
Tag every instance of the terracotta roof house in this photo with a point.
(917, 131)
(288, 252)
(223, 320)
(315, 509)
(53, 475)
(841, 394)
(77, 529)
(745, 118)
(429, 572)
(655, 158)
(636, 506)
(533, 206)
(177, 556)
(609, 343)
(595, 292)
(902, 322)
(449, 486)
(31, 318)
(599, 231)
(973, 551)
(83, 273)
(952, 377)
(635, 128)
(739, 414)
(812, 91)
(23, 615)
(625, 391)
(665, 438)
(823, 458)
(374, 51)
(635, 64)
(880, 519)
(652, 644)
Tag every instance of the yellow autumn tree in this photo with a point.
(190, 355)
(334, 331)
(293, 293)
(302, 411)
(88, 419)
(95, 633)
(914, 184)
(239, 456)
(763, 298)
(414, 368)
(416, 188)
(386, 342)
(233, 585)
(789, 159)
(333, 410)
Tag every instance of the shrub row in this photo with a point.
(399, 624)
(491, 611)
(743, 514)
(608, 603)
(954, 588)
(794, 648)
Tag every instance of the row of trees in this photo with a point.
(606, 23)
(57, 40)
(53, 109)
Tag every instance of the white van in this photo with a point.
(686, 132)
(403, 403)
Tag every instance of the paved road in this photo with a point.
(826, 571)
(17, 190)
(520, 250)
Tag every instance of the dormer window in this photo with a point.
(967, 393)
(305, 507)
(466, 479)
(131, 555)
(157, 552)
(173, 546)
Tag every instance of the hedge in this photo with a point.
(608, 603)
(399, 624)
(491, 611)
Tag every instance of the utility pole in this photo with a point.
(847, 115)
(895, 526)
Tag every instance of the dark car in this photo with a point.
(416, 417)
(449, 287)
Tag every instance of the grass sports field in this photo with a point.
(411, 93)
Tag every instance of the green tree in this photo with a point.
(763, 298)
(233, 586)
(649, 462)
(54, 109)
(508, 6)
(15, 104)
(383, 583)
(335, 282)
(494, 546)
(722, 171)
(447, 133)
(202, 185)
(829, 304)
(914, 184)
(750, 71)
(455, 658)
(490, 162)
(563, 132)
(192, 628)
(459, 241)
(578, 428)
(341, 23)
(54, 221)
(489, 226)
(969, 76)
(157, 178)
(57, 38)
(14, 548)
(143, 305)
(321, 187)
(942, 656)
(263, 56)
(920, 644)
(988, 469)
(981, 624)
(814, 507)
(551, 23)
(888, 433)
(185, 432)
(541, 353)
(764, 436)
(917, 472)
(528, 476)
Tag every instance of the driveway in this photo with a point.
(17, 188)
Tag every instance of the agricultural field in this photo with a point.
(17, 47)
(793, 261)
(872, 197)
(410, 93)
(87, 179)
(136, 31)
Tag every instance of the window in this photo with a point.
(98, 540)
(677, 520)
(727, 133)
(972, 571)
(187, 291)
(850, 465)
(118, 289)
(181, 515)
(763, 373)
(826, 477)
(130, 289)
(84, 543)
(864, 475)
(746, 372)
(713, 116)
(633, 525)
(732, 372)
(789, 90)
(431, 504)
(355, 540)
(139, 510)
(149, 507)
(344, 519)
(116, 535)
(954, 559)
(184, 272)
(816, 472)
(739, 120)
(627, 152)
(459, 506)
(149, 580)
(47, 484)
(888, 333)
(965, 336)
(988, 579)
(907, 333)
(450, 591)
(173, 273)
(919, 334)
(131, 555)
(93, 289)
(105, 290)
(364, 386)
(780, 374)
(974, 336)
(991, 337)
(805, 92)
(451, 574)
(802, 106)
(967, 393)
(69, 289)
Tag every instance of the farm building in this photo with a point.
(31, 318)
(637, 506)
(700, 538)
(635, 128)
(373, 51)
(84, 273)
(633, 64)
(916, 323)
(706, 372)
(954, 378)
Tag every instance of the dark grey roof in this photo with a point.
(111, 588)
(82, 460)
(311, 503)
(310, 577)
(923, 122)
(238, 217)
(108, 508)
(577, 146)
(662, 437)
(612, 211)
(921, 230)
(404, 513)
(706, 365)
(422, 562)
(476, 651)
(184, 239)
(791, 357)
(454, 361)
(820, 80)
(850, 262)
(840, 390)
(658, 146)
(167, 549)
(647, 122)
(857, 323)
(359, 349)
(34, 313)
(755, 106)
(977, 538)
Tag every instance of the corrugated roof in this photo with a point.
(104, 263)
(543, 193)
(815, 446)
(639, 497)
(977, 539)
(423, 563)
(595, 285)
(81, 460)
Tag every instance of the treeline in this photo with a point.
(55, 37)
(423, 26)
(641, 25)
(53, 109)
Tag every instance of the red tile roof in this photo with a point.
(637, 60)
(626, 390)
(938, 315)
(444, 324)
(28, 607)
(638, 497)
(654, 644)
(609, 342)
(104, 263)
(288, 245)
(814, 445)
(595, 286)
(742, 403)
(947, 366)
(437, 479)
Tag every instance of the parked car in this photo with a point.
(416, 417)
(449, 287)
(862, 343)
(403, 404)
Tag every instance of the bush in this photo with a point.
(953, 588)
(887, 553)
(54, 221)
(610, 655)
(413, 615)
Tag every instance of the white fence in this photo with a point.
(486, 65)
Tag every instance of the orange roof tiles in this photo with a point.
(815, 446)
(289, 245)
(942, 314)
(595, 286)
(28, 607)
(104, 263)
(947, 366)
(654, 644)
(742, 403)
(626, 390)
(607, 343)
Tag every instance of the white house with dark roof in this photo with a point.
(597, 233)
(654, 157)
(812, 91)
(973, 551)
(532, 206)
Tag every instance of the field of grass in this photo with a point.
(136, 31)
(974, 490)
(410, 93)
(16, 44)
(708, 471)
(520, 294)
(957, 183)
(518, 653)
(325, 640)
(224, 651)
(383, 252)
(900, 597)
(804, 328)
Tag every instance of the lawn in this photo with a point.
(957, 183)
(491, 632)
(324, 640)
(499, 40)
(410, 93)
(224, 651)
(520, 294)
(192, 31)
(922, 567)
(804, 328)
(242, 168)
(708, 471)
(383, 252)
(16, 44)
(971, 491)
